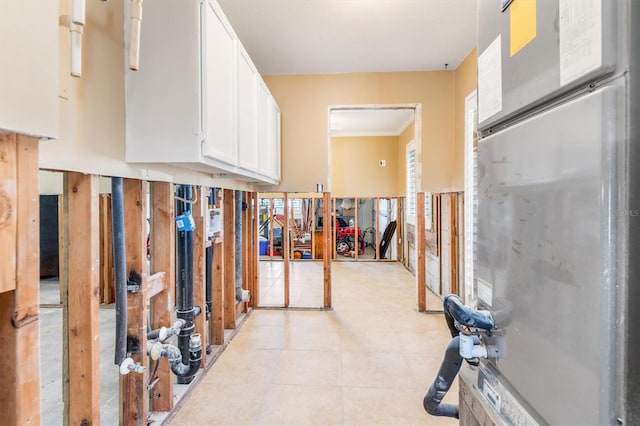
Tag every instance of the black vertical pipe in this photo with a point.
(209, 264)
(120, 266)
(209, 281)
(184, 279)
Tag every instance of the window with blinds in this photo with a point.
(411, 183)
(470, 199)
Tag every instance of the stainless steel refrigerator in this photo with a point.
(559, 208)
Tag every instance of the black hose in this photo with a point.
(120, 266)
(467, 316)
(448, 370)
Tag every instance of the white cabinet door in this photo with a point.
(219, 86)
(274, 138)
(264, 150)
(247, 112)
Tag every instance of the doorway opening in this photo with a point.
(367, 176)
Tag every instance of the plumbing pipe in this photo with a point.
(76, 49)
(163, 333)
(78, 12)
(130, 366)
(174, 356)
(472, 347)
(448, 370)
(209, 281)
(184, 281)
(241, 295)
(76, 28)
(120, 266)
(134, 39)
(209, 262)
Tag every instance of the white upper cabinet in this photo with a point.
(218, 57)
(197, 99)
(265, 154)
(274, 139)
(268, 133)
(247, 111)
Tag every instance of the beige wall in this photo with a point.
(304, 102)
(405, 137)
(92, 108)
(29, 67)
(356, 170)
(466, 82)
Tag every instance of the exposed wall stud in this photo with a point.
(19, 308)
(378, 229)
(327, 251)
(83, 315)
(228, 217)
(285, 249)
(163, 259)
(198, 209)
(134, 394)
(420, 247)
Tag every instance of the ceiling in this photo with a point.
(343, 36)
(370, 122)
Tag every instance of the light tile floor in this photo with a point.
(367, 362)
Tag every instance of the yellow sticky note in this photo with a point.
(522, 24)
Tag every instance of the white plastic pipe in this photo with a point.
(78, 12)
(471, 347)
(76, 49)
(134, 39)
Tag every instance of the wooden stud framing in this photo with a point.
(333, 229)
(313, 228)
(61, 249)
(378, 229)
(156, 284)
(19, 308)
(107, 287)
(455, 245)
(420, 247)
(163, 255)
(400, 230)
(216, 324)
(198, 211)
(326, 241)
(246, 245)
(134, 401)
(271, 229)
(82, 319)
(285, 249)
(228, 217)
(356, 243)
(8, 210)
(255, 247)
